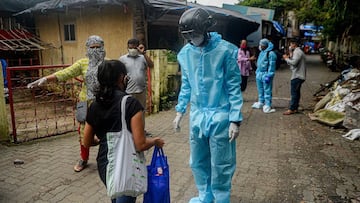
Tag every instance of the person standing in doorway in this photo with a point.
(244, 61)
(297, 66)
(87, 68)
(210, 83)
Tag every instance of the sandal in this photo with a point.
(289, 112)
(96, 142)
(80, 166)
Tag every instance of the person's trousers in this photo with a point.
(213, 163)
(124, 199)
(295, 90)
(264, 91)
(84, 151)
(141, 97)
(244, 80)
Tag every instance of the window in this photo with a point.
(69, 32)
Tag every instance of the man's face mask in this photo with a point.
(133, 52)
(292, 47)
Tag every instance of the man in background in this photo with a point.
(136, 62)
(297, 66)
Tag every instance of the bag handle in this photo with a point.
(158, 152)
(123, 112)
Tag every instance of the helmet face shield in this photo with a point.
(193, 37)
(188, 35)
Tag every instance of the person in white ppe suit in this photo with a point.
(266, 65)
(210, 83)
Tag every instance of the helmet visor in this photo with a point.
(187, 34)
(191, 34)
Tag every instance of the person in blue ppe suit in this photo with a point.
(210, 83)
(266, 65)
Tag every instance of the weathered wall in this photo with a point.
(114, 24)
(160, 76)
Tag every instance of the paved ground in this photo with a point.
(279, 158)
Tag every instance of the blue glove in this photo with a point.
(267, 79)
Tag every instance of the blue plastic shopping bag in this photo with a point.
(158, 190)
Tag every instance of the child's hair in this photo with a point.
(109, 73)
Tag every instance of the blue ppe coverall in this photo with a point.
(266, 65)
(210, 82)
(4, 66)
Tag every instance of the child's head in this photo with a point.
(111, 73)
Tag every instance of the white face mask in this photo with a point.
(133, 52)
(197, 40)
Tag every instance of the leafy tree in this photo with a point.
(335, 15)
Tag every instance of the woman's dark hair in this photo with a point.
(109, 73)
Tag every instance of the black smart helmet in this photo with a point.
(195, 20)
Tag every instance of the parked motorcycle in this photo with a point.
(331, 61)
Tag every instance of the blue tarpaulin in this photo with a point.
(4, 66)
(279, 28)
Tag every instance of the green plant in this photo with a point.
(171, 56)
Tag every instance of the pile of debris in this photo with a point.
(340, 105)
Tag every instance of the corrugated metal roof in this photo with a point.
(63, 4)
(238, 23)
(14, 6)
(21, 40)
(163, 6)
